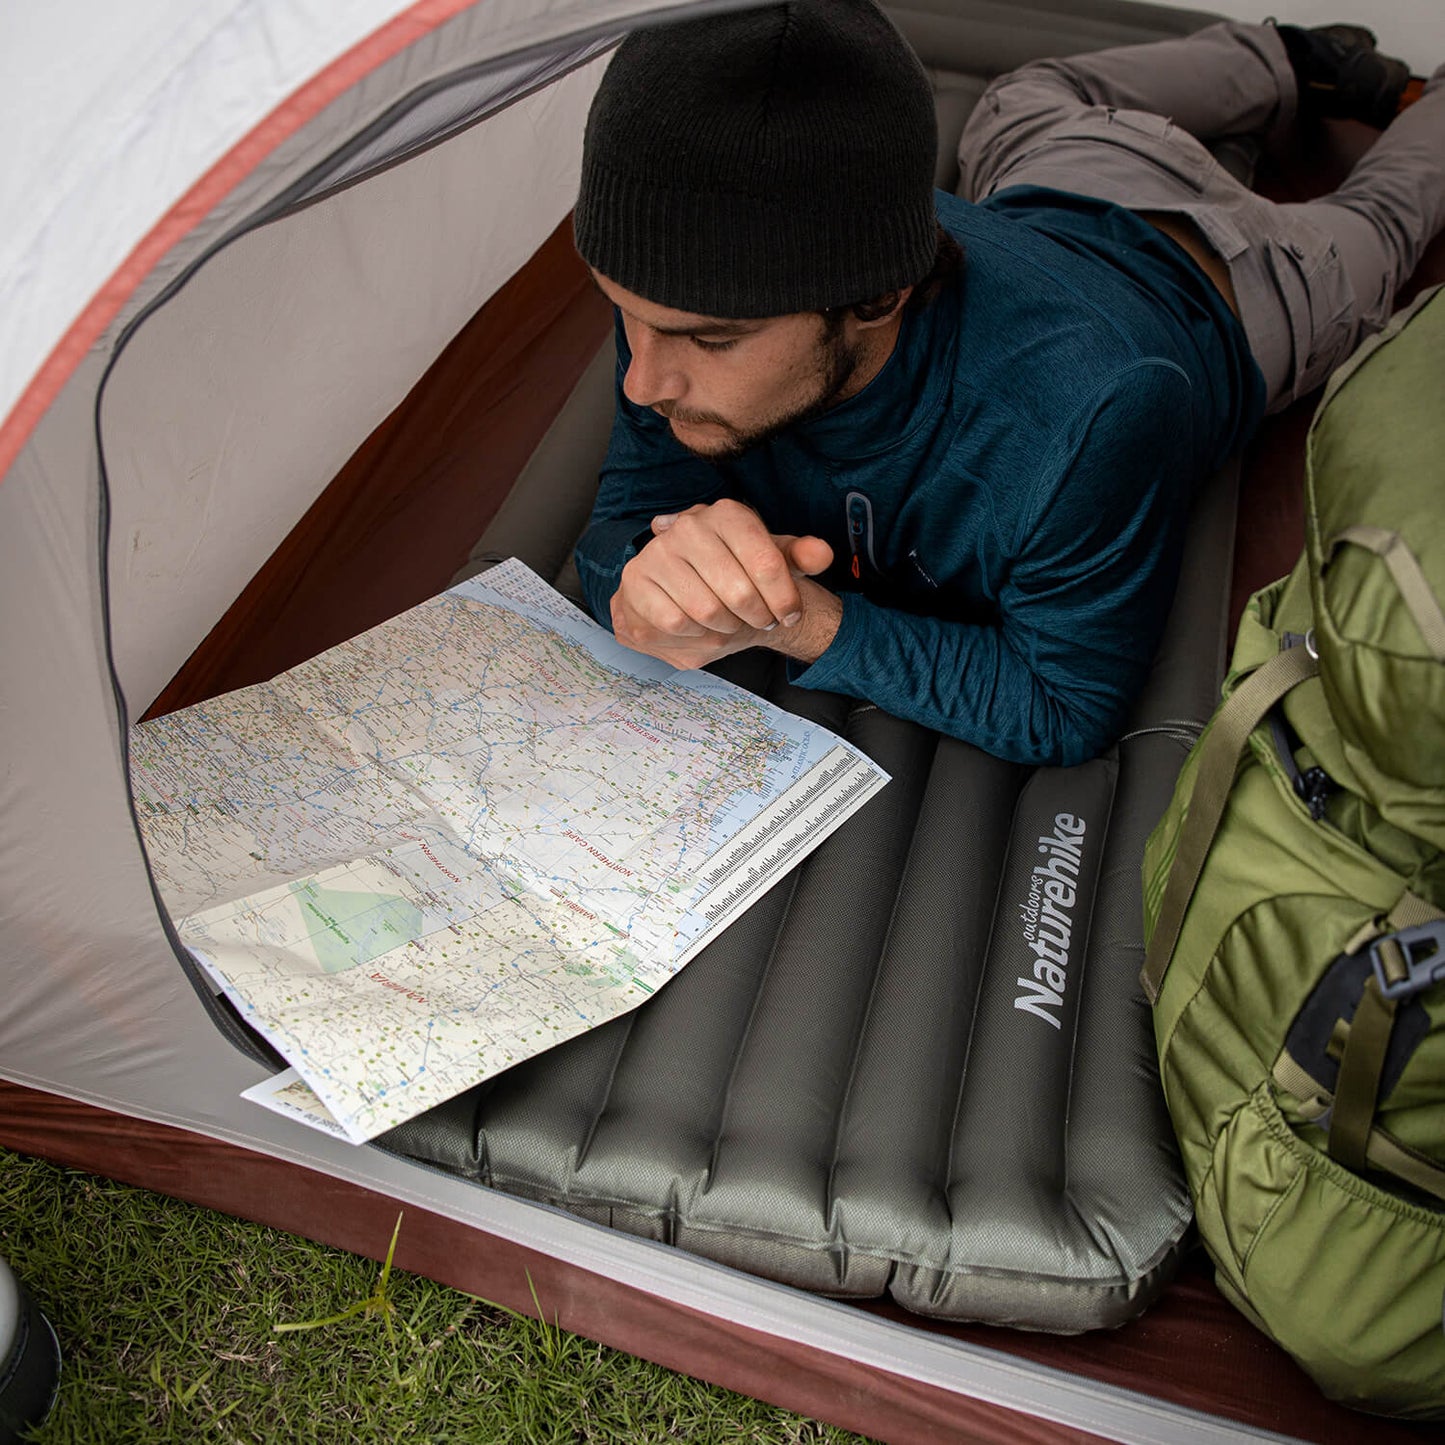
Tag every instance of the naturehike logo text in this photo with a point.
(1047, 921)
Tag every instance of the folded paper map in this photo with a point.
(467, 835)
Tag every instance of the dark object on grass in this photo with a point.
(29, 1360)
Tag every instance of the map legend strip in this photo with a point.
(836, 787)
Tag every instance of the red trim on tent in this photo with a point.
(302, 106)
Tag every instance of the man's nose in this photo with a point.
(652, 376)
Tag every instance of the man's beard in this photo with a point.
(834, 365)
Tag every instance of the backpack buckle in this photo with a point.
(1410, 961)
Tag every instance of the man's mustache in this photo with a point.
(690, 418)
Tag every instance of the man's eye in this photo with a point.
(713, 345)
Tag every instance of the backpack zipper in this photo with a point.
(1313, 786)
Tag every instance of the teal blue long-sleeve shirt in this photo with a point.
(1014, 483)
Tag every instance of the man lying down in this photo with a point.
(938, 452)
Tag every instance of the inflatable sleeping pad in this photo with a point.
(865, 1087)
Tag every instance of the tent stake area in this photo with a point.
(285, 1196)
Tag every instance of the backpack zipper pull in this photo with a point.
(1314, 787)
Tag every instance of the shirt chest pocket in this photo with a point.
(872, 558)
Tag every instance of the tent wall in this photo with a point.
(80, 920)
(390, 529)
(121, 108)
(94, 998)
(244, 393)
(84, 934)
(149, 130)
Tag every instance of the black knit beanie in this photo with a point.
(761, 162)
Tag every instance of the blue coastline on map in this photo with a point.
(808, 743)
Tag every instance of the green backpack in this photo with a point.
(1295, 909)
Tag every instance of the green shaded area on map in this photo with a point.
(348, 927)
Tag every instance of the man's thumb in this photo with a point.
(807, 555)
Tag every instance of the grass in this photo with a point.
(179, 1324)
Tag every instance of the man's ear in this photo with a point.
(884, 310)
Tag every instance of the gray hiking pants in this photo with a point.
(1311, 280)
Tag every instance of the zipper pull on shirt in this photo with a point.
(858, 513)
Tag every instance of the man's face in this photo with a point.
(725, 386)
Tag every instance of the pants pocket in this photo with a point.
(1318, 302)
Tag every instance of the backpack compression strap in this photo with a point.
(1409, 578)
(1354, 1140)
(1239, 715)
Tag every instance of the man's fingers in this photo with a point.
(739, 577)
(694, 647)
(761, 560)
(717, 565)
(650, 608)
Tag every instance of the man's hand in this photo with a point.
(714, 580)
